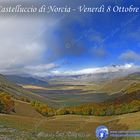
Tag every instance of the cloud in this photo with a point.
(130, 56)
(41, 67)
(99, 52)
(22, 43)
(65, 44)
(34, 70)
(17, 43)
(135, 35)
(96, 37)
(40, 70)
(106, 69)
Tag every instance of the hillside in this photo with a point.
(25, 109)
(17, 91)
(26, 80)
(118, 84)
(127, 89)
(115, 85)
(132, 88)
(133, 76)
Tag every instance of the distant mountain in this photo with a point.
(26, 80)
(98, 78)
(96, 74)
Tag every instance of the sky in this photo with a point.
(70, 43)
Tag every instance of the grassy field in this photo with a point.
(33, 87)
(87, 88)
(25, 109)
(27, 124)
(68, 95)
(78, 125)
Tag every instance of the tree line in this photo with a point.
(96, 109)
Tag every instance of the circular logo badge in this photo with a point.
(102, 132)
